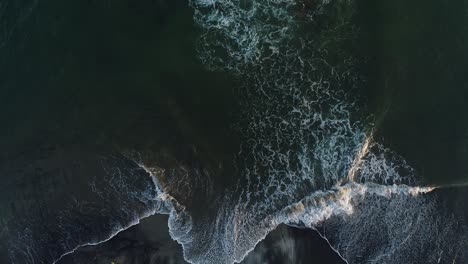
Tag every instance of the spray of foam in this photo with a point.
(241, 32)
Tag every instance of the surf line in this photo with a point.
(134, 222)
(112, 235)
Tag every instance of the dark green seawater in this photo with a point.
(80, 80)
(419, 82)
(105, 74)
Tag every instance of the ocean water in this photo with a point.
(235, 118)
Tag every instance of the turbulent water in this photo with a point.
(308, 155)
